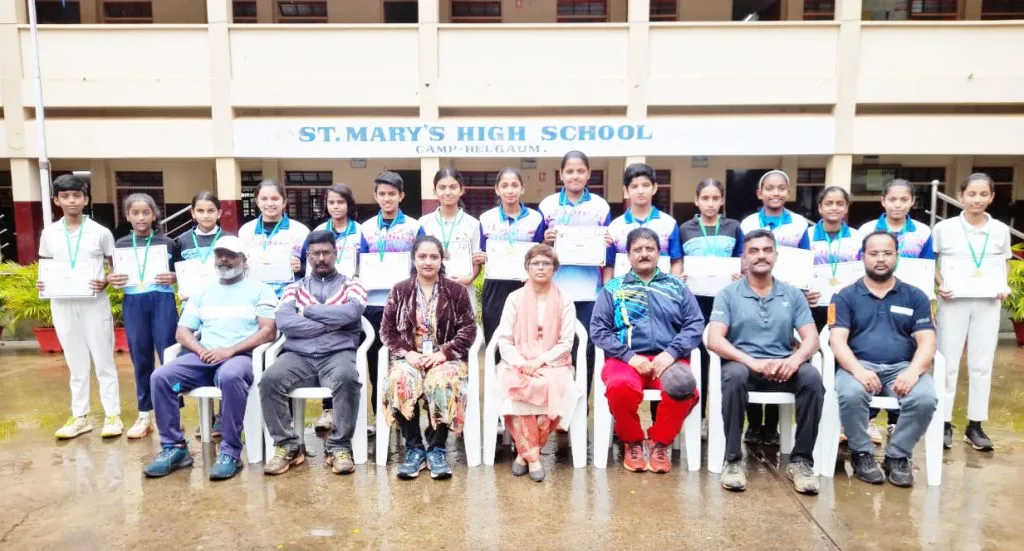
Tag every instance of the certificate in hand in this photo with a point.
(377, 271)
(622, 265)
(506, 260)
(194, 276)
(581, 245)
(794, 267)
(459, 259)
(127, 261)
(270, 265)
(827, 284)
(966, 280)
(63, 281)
(345, 263)
(707, 275)
(919, 272)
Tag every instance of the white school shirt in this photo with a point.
(97, 244)
(915, 239)
(581, 282)
(528, 226)
(657, 221)
(348, 239)
(845, 246)
(399, 237)
(291, 234)
(790, 229)
(950, 238)
(464, 228)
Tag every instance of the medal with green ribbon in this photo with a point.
(348, 231)
(977, 258)
(704, 232)
(73, 254)
(209, 250)
(141, 265)
(446, 237)
(833, 257)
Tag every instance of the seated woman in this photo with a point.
(535, 373)
(428, 327)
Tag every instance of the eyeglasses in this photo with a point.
(881, 254)
(541, 264)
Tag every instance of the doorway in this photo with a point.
(401, 12)
(412, 205)
(741, 192)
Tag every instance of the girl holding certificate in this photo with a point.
(710, 234)
(502, 230)
(390, 231)
(979, 245)
(458, 231)
(833, 242)
(197, 243)
(149, 310)
(348, 238)
(914, 238)
(272, 236)
(790, 230)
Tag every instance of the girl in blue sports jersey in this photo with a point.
(914, 238)
(709, 234)
(832, 242)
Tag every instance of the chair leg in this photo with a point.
(299, 421)
(252, 427)
(602, 431)
(933, 449)
(826, 449)
(691, 431)
(205, 419)
(490, 428)
(578, 435)
(360, 440)
(786, 428)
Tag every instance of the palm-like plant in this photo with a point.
(19, 296)
(1014, 303)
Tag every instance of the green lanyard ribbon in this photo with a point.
(704, 232)
(833, 257)
(73, 255)
(977, 258)
(446, 237)
(344, 242)
(203, 257)
(145, 257)
(273, 232)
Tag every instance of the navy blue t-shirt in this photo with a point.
(881, 329)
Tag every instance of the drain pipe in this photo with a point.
(44, 159)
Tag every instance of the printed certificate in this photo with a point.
(194, 276)
(127, 260)
(581, 245)
(270, 265)
(794, 267)
(63, 281)
(459, 259)
(966, 280)
(919, 272)
(507, 260)
(825, 282)
(707, 275)
(377, 271)
(622, 265)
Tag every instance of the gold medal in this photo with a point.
(834, 282)
(141, 286)
(978, 273)
(447, 255)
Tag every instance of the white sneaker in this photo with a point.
(874, 434)
(73, 427)
(112, 426)
(142, 427)
(325, 420)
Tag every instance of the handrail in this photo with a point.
(170, 217)
(938, 195)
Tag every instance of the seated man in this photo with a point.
(751, 329)
(320, 319)
(235, 316)
(884, 341)
(647, 322)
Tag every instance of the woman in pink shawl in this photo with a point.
(535, 340)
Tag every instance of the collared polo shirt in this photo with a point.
(580, 282)
(96, 243)
(660, 223)
(789, 228)
(727, 242)
(844, 247)
(395, 236)
(915, 239)
(528, 226)
(881, 329)
(950, 238)
(761, 326)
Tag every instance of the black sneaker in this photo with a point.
(947, 436)
(976, 437)
(754, 436)
(898, 471)
(865, 468)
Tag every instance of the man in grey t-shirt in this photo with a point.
(751, 329)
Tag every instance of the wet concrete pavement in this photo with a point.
(90, 493)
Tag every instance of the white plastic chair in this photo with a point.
(252, 424)
(785, 400)
(300, 395)
(603, 421)
(492, 402)
(471, 430)
(831, 422)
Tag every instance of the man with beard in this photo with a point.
(235, 316)
(647, 322)
(751, 329)
(884, 340)
(320, 319)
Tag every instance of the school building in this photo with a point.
(176, 96)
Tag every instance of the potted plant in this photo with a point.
(22, 304)
(1014, 304)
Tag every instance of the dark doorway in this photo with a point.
(741, 192)
(757, 10)
(401, 12)
(412, 205)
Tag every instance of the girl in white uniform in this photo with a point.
(273, 233)
(458, 231)
(972, 236)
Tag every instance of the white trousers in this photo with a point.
(85, 328)
(974, 321)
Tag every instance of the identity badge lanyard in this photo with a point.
(267, 238)
(977, 258)
(73, 254)
(833, 258)
(446, 237)
(425, 307)
(209, 250)
(141, 266)
(344, 242)
(708, 244)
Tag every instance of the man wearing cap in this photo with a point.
(647, 322)
(234, 317)
(319, 317)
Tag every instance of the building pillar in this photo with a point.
(28, 208)
(971, 9)
(839, 171)
(229, 191)
(429, 13)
